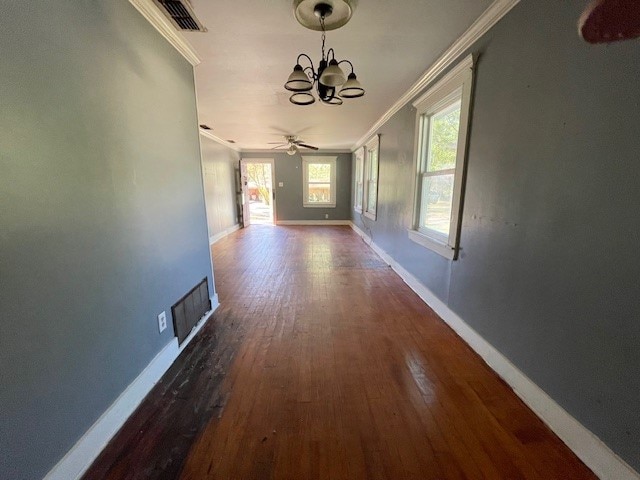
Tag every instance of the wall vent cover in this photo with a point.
(181, 15)
(188, 311)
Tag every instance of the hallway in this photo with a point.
(321, 363)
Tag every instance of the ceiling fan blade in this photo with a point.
(280, 146)
(276, 143)
(307, 146)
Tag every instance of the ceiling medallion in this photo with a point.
(306, 13)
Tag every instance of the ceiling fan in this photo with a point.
(293, 144)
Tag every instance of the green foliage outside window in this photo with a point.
(260, 174)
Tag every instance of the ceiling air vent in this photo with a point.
(181, 14)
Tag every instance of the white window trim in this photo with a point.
(359, 160)
(457, 82)
(372, 145)
(305, 181)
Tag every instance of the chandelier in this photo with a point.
(331, 84)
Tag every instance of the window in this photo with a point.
(371, 158)
(358, 185)
(319, 180)
(441, 138)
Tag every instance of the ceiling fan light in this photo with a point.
(302, 98)
(333, 76)
(292, 150)
(298, 80)
(352, 88)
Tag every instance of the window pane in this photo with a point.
(437, 196)
(443, 138)
(373, 165)
(320, 172)
(359, 192)
(371, 201)
(319, 193)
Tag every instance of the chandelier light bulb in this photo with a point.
(333, 76)
(351, 88)
(298, 80)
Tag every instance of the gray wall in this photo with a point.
(288, 169)
(102, 219)
(549, 271)
(220, 165)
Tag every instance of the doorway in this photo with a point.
(258, 193)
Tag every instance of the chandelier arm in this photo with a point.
(311, 73)
(331, 52)
(305, 56)
(331, 93)
(312, 68)
(347, 61)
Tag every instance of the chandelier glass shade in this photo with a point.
(330, 82)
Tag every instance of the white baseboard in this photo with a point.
(220, 235)
(313, 222)
(77, 460)
(587, 446)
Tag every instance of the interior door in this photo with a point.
(244, 185)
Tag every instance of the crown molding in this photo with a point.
(163, 25)
(462, 67)
(491, 16)
(211, 136)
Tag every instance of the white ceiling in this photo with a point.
(251, 47)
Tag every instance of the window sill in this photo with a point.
(370, 215)
(432, 244)
(357, 210)
(319, 205)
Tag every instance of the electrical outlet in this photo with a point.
(162, 321)
(281, 184)
(326, 215)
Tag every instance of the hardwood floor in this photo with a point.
(322, 364)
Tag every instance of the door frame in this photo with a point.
(245, 191)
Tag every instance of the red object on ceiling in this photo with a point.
(605, 21)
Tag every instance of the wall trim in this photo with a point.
(227, 231)
(163, 25)
(211, 136)
(586, 445)
(80, 457)
(313, 222)
(491, 16)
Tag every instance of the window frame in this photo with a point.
(373, 145)
(308, 160)
(358, 184)
(455, 86)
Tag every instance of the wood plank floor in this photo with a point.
(322, 364)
